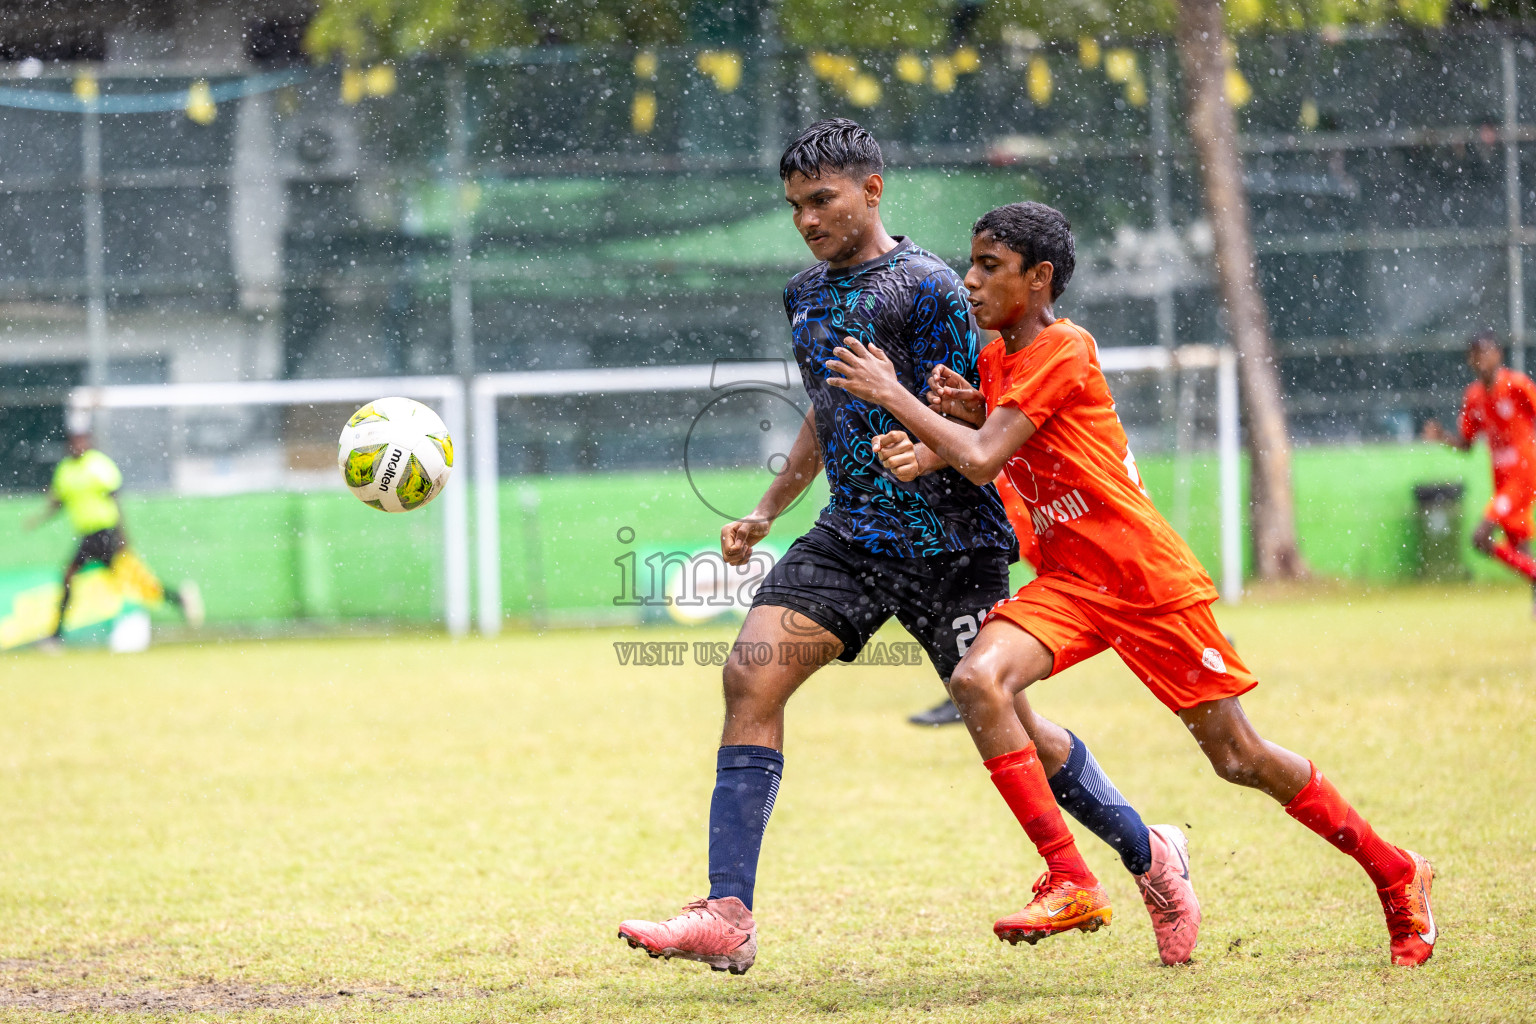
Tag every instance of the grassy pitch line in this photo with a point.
(452, 831)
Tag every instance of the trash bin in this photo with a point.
(1437, 529)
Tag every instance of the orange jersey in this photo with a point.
(1100, 537)
(1507, 416)
(1018, 517)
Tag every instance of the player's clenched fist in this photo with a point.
(737, 539)
(898, 454)
(950, 394)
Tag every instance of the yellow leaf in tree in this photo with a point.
(379, 80)
(1136, 91)
(200, 106)
(1038, 80)
(642, 113)
(1088, 51)
(909, 68)
(1120, 65)
(723, 67)
(1239, 92)
(352, 86)
(836, 68)
(645, 64)
(1430, 12)
(942, 74)
(966, 60)
(864, 91)
(1243, 14)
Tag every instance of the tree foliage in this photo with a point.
(360, 30)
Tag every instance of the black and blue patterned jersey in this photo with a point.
(913, 305)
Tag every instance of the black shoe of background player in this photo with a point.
(941, 714)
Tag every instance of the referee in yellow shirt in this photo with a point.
(85, 486)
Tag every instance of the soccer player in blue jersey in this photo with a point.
(932, 552)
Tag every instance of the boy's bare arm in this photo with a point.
(978, 453)
(801, 467)
(1433, 431)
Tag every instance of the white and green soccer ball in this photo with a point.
(395, 454)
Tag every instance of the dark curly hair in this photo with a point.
(836, 144)
(1484, 337)
(1036, 232)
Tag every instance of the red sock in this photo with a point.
(1516, 559)
(1021, 780)
(1320, 807)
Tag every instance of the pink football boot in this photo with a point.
(720, 933)
(1169, 896)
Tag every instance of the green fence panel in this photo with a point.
(324, 556)
(560, 536)
(1354, 507)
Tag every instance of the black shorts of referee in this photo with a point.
(100, 546)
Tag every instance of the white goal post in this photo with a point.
(1228, 437)
(445, 390)
(487, 388)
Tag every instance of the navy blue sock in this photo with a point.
(1085, 792)
(746, 781)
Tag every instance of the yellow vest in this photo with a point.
(84, 487)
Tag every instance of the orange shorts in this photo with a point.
(1511, 508)
(1181, 656)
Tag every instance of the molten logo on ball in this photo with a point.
(395, 454)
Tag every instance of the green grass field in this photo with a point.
(413, 828)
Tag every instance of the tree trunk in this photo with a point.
(1203, 54)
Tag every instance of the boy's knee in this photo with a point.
(970, 683)
(1236, 762)
(974, 680)
(739, 681)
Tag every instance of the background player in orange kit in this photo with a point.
(1113, 573)
(1501, 404)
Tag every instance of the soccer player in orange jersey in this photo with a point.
(1500, 404)
(933, 554)
(952, 395)
(1113, 573)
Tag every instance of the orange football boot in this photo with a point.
(1410, 921)
(1058, 906)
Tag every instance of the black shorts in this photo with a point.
(849, 592)
(98, 547)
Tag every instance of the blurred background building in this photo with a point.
(621, 207)
(186, 196)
